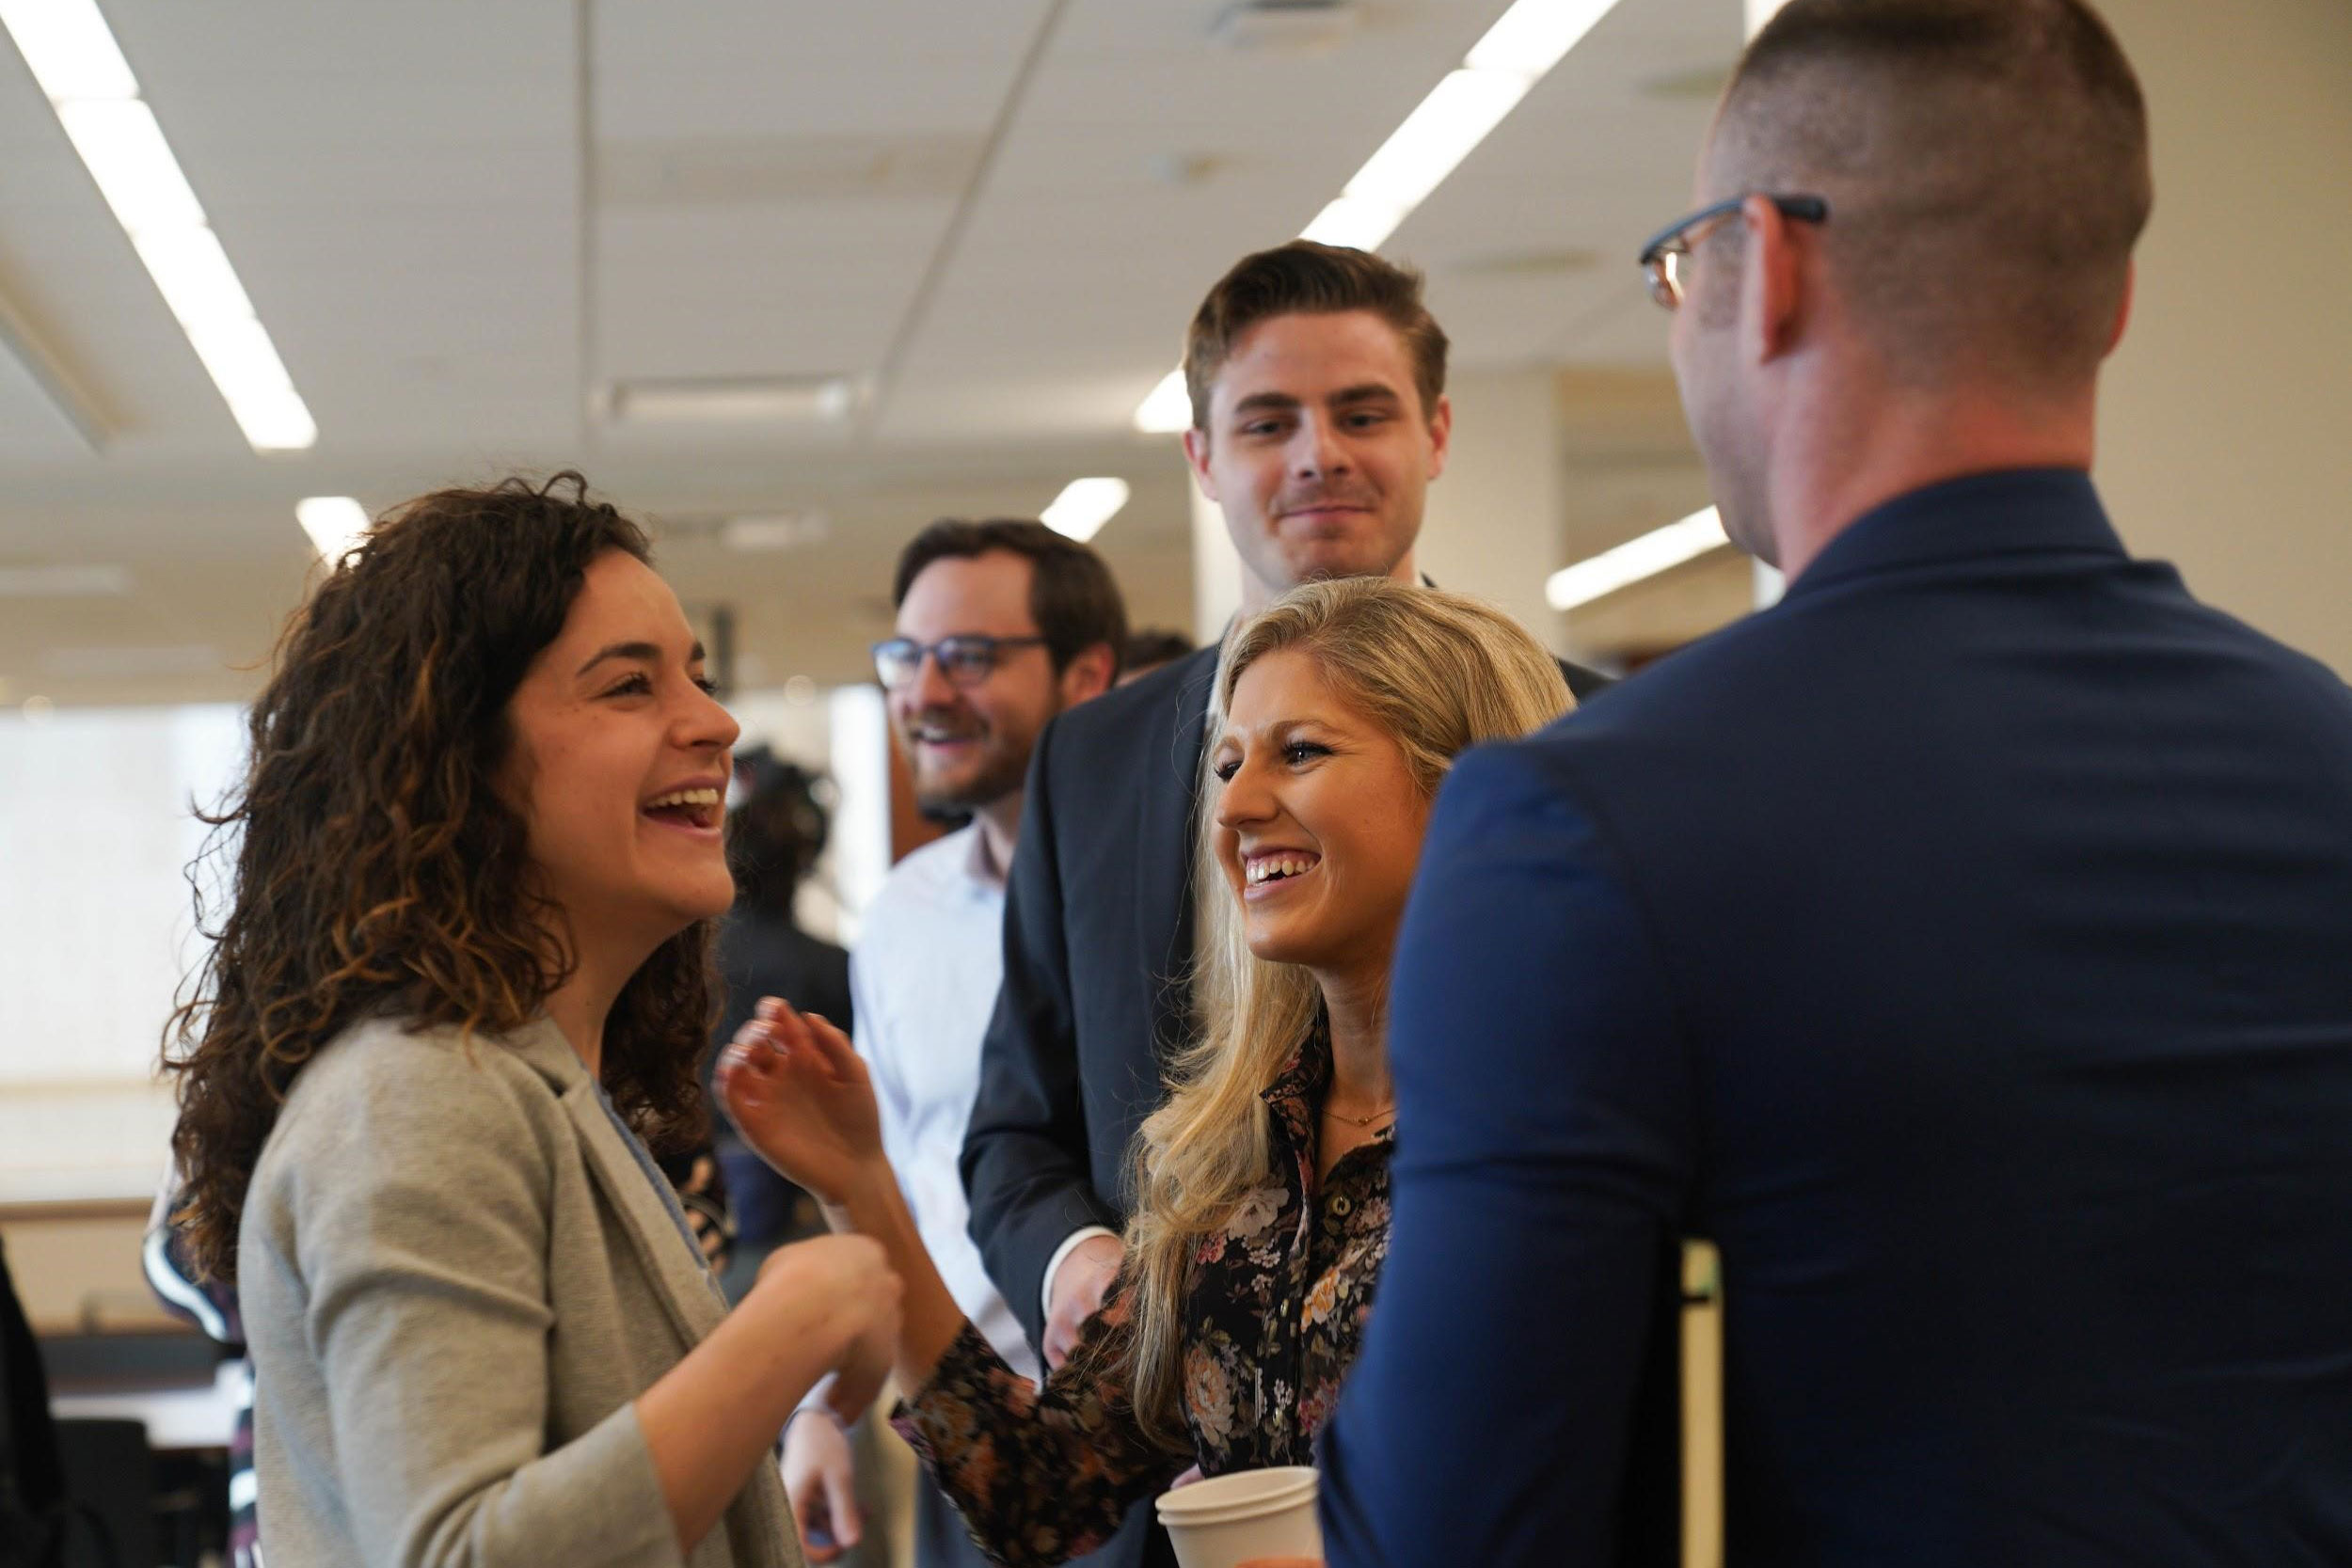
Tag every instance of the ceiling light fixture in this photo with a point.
(63, 582)
(1517, 52)
(336, 524)
(1084, 506)
(1167, 409)
(74, 56)
(1629, 562)
(1420, 153)
(724, 400)
(774, 530)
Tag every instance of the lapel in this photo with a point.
(1165, 832)
(682, 1282)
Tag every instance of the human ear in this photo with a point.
(1771, 283)
(1197, 455)
(1087, 675)
(1440, 434)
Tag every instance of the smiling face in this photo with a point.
(1319, 820)
(619, 764)
(969, 745)
(1318, 450)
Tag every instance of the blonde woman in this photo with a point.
(1262, 1213)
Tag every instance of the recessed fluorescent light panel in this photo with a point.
(80, 68)
(774, 530)
(334, 523)
(735, 400)
(1535, 35)
(63, 582)
(1434, 140)
(1167, 409)
(1636, 559)
(1084, 506)
(1517, 52)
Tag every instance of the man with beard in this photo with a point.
(1001, 626)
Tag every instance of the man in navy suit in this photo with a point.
(1963, 945)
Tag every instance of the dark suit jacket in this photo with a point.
(1098, 929)
(1966, 945)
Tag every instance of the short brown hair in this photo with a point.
(1985, 162)
(1073, 598)
(1305, 277)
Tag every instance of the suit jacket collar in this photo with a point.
(686, 1291)
(1164, 842)
(2018, 511)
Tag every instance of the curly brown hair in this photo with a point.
(373, 868)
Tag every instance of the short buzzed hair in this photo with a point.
(1306, 278)
(1986, 165)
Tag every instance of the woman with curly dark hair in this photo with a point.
(459, 986)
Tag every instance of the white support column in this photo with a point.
(1215, 569)
(2222, 418)
(1496, 519)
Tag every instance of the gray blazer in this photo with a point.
(456, 1279)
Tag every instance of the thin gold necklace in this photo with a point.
(1388, 1110)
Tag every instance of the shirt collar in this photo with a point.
(2011, 512)
(1296, 1094)
(978, 864)
(1297, 1091)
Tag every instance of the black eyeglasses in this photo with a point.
(965, 659)
(1663, 257)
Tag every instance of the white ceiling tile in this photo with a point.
(752, 68)
(767, 289)
(401, 184)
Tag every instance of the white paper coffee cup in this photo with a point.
(1225, 1522)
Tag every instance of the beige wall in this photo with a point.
(2226, 440)
(76, 1266)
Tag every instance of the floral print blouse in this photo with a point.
(1278, 1302)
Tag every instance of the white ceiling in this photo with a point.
(461, 219)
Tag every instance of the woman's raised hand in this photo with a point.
(801, 1097)
(796, 1089)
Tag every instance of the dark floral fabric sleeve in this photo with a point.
(1040, 1475)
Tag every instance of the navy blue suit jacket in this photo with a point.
(1965, 947)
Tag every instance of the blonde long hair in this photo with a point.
(1437, 672)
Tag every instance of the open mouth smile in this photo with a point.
(1270, 872)
(698, 809)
